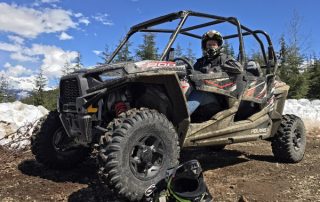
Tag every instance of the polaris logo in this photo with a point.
(259, 130)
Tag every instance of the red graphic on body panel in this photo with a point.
(155, 64)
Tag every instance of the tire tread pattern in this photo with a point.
(109, 171)
(42, 147)
(282, 146)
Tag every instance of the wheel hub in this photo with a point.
(147, 157)
(60, 141)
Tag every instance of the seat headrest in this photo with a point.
(252, 65)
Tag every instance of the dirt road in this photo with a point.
(244, 171)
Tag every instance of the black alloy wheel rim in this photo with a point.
(60, 140)
(147, 157)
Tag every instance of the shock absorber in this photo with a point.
(120, 107)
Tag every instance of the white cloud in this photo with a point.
(7, 65)
(54, 58)
(65, 36)
(21, 57)
(16, 71)
(97, 52)
(18, 52)
(57, 20)
(29, 22)
(78, 15)
(9, 47)
(84, 20)
(103, 18)
(26, 83)
(16, 39)
(49, 1)
(22, 83)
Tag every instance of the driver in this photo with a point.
(214, 60)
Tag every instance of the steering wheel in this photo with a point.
(189, 66)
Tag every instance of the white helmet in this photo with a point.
(211, 35)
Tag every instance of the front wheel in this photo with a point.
(144, 145)
(289, 143)
(50, 143)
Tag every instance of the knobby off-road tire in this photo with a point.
(143, 146)
(47, 144)
(289, 143)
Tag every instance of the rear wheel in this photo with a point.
(289, 143)
(50, 143)
(144, 145)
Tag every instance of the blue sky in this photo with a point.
(48, 33)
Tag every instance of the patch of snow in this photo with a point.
(308, 111)
(17, 122)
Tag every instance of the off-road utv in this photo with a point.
(134, 115)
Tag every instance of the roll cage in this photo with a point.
(269, 59)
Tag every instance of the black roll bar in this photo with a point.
(183, 15)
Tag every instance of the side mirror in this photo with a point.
(170, 55)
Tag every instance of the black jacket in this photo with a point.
(221, 62)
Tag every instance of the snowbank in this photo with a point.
(17, 122)
(308, 110)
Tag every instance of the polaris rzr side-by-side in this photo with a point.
(134, 115)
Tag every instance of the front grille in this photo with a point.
(69, 90)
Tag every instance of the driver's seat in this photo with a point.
(253, 69)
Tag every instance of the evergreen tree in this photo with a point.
(190, 54)
(228, 48)
(178, 51)
(49, 101)
(67, 68)
(105, 55)
(5, 95)
(3, 88)
(314, 78)
(38, 91)
(78, 65)
(124, 54)
(283, 50)
(257, 57)
(289, 70)
(147, 50)
(73, 66)
(292, 59)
